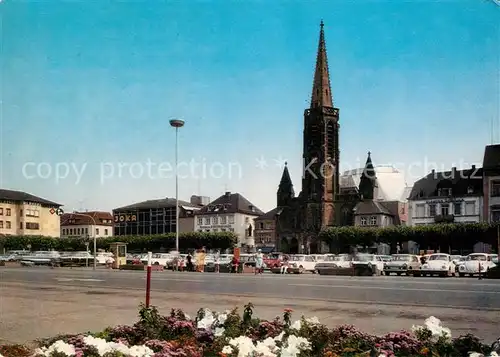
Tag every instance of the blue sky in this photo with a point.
(90, 85)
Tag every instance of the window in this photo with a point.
(7, 225)
(444, 192)
(97, 231)
(363, 221)
(216, 230)
(495, 214)
(261, 225)
(7, 212)
(223, 229)
(420, 210)
(20, 225)
(200, 221)
(200, 230)
(247, 219)
(1, 224)
(78, 231)
(31, 225)
(231, 219)
(31, 213)
(207, 220)
(86, 231)
(470, 208)
(445, 209)
(373, 220)
(1, 211)
(207, 230)
(215, 220)
(231, 229)
(105, 231)
(495, 188)
(457, 208)
(432, 210)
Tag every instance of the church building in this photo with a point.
(327, 198)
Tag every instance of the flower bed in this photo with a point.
(230, 334)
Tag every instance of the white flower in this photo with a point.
(219, 331)
(313, 320)
(140, 351)
(475, 354)
(280, 336)
(58, 346)
(434, 325)
(227, 350)
(207, 321)
(494, 354)
(221, 318)
(187, 317)
(294, 346)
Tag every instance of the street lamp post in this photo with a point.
(176, 123)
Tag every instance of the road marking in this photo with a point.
(366, 287)
(77, 279)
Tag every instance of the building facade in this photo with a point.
(454, 196)
(265, 230)
(155, 217)
(24, 214)
(373, 208)
(230, 212)
(491, 184)
(87, 225)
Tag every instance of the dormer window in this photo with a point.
(470, 190)
(445, 192)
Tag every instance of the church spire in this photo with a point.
(321, 93)
(368, 180)
(285, 189)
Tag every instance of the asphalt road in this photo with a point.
(459, 293)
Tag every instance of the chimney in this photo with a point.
(227, 194)
(453, 172)
(473, 167)
(433, 171)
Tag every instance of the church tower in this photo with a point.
(285, 189)
(368, 180)
(320, 180)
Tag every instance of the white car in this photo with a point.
(438, 264)
(373, 261)
(159, 259)
(103, 258)
(303, 262)
(476, 263)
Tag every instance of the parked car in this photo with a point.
(76, 258)
(162, 259)
(332, 261)
(438, 264)
(476, 263)
(8, 258)
(273, 260)
(41, 258)
(402, 264)
(303, 262)
(371, 262)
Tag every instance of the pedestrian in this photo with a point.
(175, 263)
(284, 265)
(234, 265)
(201, 260)
(259, 260)
(217, 262)
(189, 264)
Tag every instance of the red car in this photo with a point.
(273, 260)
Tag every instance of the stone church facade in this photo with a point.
(320, 204)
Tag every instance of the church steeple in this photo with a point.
(285, 189)
(321, 93)
(368, 179)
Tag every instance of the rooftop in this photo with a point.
(231, 203)
(20, 196)
(159, 203)
(87, 218)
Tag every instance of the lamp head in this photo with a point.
(177, 123)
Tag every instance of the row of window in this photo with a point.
(8, 211)
(29, 225)
(445, 209)
(81, 231)
(217, 230)
(372, 221)
(266, 225)
(218, 220)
